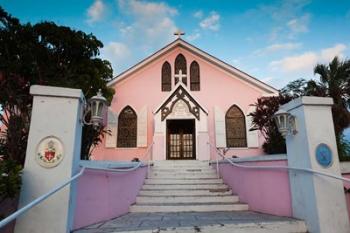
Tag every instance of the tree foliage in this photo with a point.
(334, 82)
(262, 118)
(44, 54)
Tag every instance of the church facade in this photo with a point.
(177, 100)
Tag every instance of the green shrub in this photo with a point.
(10, 178)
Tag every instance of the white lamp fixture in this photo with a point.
(97, 107)
(285, 122)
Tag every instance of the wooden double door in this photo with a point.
(181, 139)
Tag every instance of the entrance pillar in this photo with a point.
(318, 200)
(52, 157)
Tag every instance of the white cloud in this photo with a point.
(193, 36)
(277, 47)
(147, 26)
(299, 25)
(96, 11)
(151, 23)
(116, 53)
(198, 14)
(329, 53)
(212, 22)
(306, 61)
(296, 63)
(148, 9)
(283, 19)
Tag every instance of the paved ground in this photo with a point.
(193, 221)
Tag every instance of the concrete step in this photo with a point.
(181, 193)
(182, 200)
(182, 170)
(183, 167)
(211, 175)
(183, 181)
(184, 186)
(179, 162)
(204, 222)
(187, 208)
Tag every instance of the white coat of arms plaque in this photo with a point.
(49, 152)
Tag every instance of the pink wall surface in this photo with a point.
(105, 195)
(265, 191)
(217, 88)
(347, 195)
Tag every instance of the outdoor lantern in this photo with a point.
(97, 107)
(285, 122)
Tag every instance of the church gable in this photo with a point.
(188, 71)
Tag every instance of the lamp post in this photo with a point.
(285, 122)
(97, 107)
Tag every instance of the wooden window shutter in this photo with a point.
(142, 128)
(112, 127)
(220, 133)
(252, 136)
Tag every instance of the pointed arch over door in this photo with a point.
(127, 128)
(166, 77)
(180, 64)
(235, 127)
(194, 76)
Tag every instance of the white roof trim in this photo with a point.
(172, 92)
(179, 42)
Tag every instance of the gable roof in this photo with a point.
(183, 44)
(178, 87)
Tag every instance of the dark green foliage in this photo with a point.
(45, 54)
(10, 178)
(263, 120)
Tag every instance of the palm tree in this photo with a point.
(334, 82)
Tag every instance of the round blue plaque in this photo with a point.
(324, 155)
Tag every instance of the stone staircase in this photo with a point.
(188, 197)
(185, 186)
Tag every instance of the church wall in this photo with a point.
(217, 88)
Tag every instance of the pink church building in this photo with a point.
(177, 100)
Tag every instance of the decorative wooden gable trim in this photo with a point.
(200, 53)
(180, 95)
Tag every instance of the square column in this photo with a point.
(318, 200)
(52, 157)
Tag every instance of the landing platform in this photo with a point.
(186, 222)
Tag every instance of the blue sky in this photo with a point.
(275, 41)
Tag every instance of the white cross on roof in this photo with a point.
(179, 33)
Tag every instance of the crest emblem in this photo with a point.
(49, 152)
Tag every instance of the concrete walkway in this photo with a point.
(245, 221)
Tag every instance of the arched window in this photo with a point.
(166, 77)
(235, 128)
(127, 128)
(180, 64)
(194, 77)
